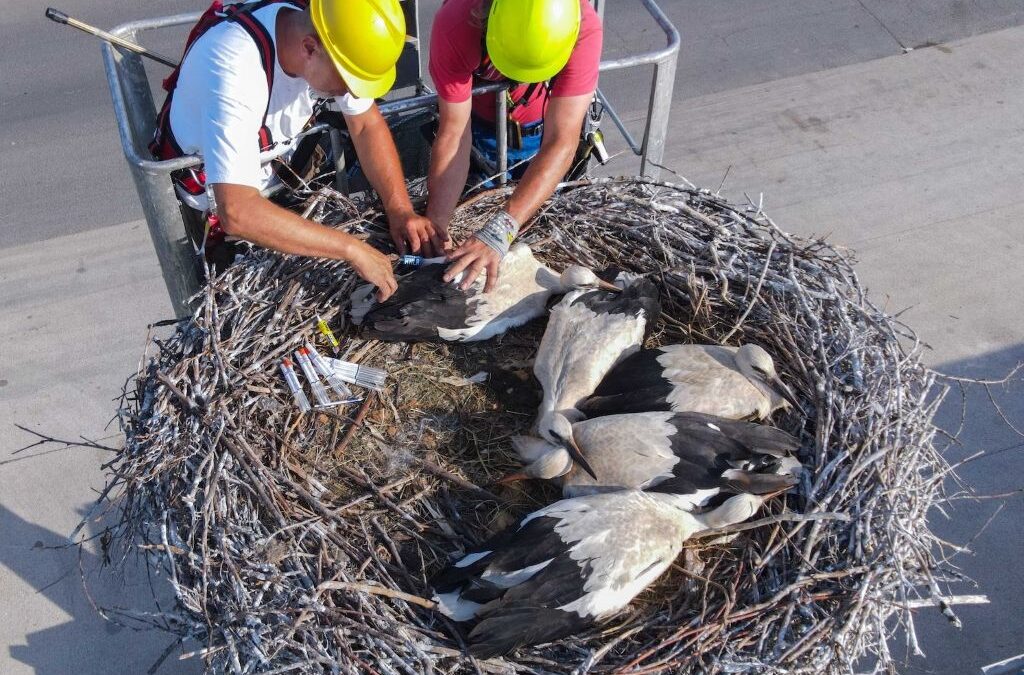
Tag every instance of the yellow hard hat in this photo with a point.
(531, 40)
(364, 39)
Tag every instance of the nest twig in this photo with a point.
(303, 543)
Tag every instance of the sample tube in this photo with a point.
(319, 393)
(293, 385)
(333, 380)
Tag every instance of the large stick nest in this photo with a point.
(303, 543)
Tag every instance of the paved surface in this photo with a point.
(57, 133)
(914, 160)
(73, 315)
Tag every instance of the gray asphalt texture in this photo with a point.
(61, 170)
(891, 127)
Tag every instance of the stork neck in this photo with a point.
(769, 393)
(549, 279)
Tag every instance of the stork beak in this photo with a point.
(512, 478)
(577, 456)
(783, 491)
(604, 285)
(787, 393)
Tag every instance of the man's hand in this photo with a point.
(374, 267)
(474, 257)
(416, 234)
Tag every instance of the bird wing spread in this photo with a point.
(423, 303)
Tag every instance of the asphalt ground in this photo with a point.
(57, 135)
(892, 128)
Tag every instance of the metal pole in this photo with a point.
(156, 193)
(658, 111)
(633, 145)
(501, 134)
(338, 150)
(660, 104)
(60, 17)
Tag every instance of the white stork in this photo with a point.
(588, 332)
(733, 382)
(570, 565)
(426, 308)
(685, 453)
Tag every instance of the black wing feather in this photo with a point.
(639, 296)
(705, 453)
(498, 635)
(527, 613)
(423, 303)
(757, 438)
(635, 384)
(524, 614)
(512, 549)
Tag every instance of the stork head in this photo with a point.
(530, 448)
(733, 510)
(541, 459)
(554, 463)
(757, 366)
(556, 428)
(576, 277)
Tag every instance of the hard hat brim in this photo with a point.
(507, 66)
(525, 75)
(362, 87)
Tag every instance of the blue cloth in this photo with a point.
(485, 141)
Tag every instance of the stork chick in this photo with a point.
(426, 308)
(696, 454)
(570, 565)
(732, 382)
(588, 332)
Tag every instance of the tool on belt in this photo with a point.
(514, 130)
(592, 137)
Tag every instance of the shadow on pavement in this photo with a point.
(82, 644)
(991, 526)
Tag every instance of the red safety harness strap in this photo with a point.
(164, 146)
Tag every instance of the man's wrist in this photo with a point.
(499, 232)
(400, 212)
(438, 220)
(346, 246)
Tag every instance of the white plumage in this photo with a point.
(697, 455)
(732, 382)
(587, 333)
(571, 564)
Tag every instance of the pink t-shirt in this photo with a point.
(456, 43)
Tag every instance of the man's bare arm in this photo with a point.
(449, 161)
(562, 124)
(246, 214)
(563, 121)
(378, 156)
